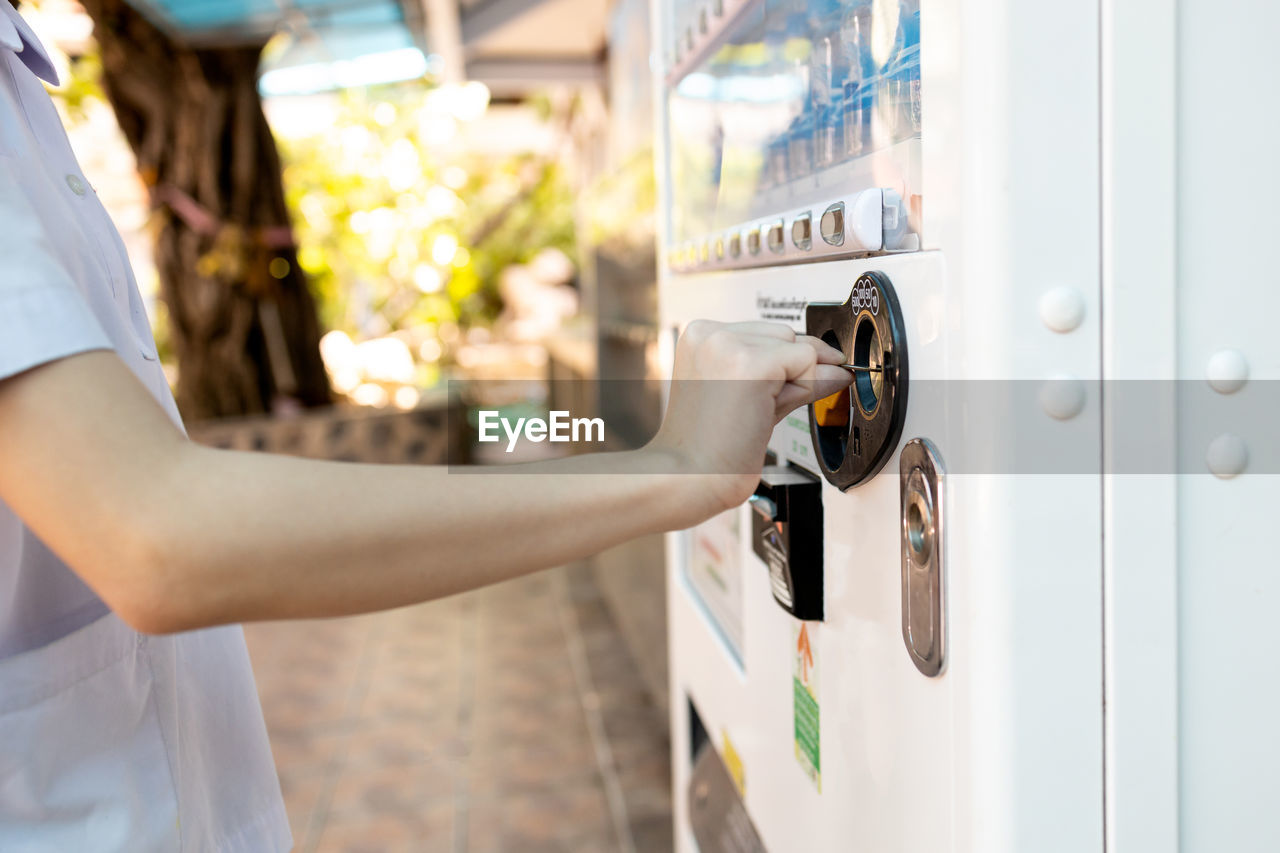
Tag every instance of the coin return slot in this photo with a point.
(786, 534)
(922, 489)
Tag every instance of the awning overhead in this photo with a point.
(362, 22)
(516, 46)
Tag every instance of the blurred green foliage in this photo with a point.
(622, 202)
(397, 234)
(83, 86)
(398, 229)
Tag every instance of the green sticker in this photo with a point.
(804, 688)
(807, 746)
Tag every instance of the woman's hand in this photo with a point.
(732, 383)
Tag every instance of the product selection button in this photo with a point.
(776, 243)
(802, 232)
(832, 225)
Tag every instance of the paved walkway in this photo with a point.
(508, 719)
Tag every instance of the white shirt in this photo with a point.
(109, 740)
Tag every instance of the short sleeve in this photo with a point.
(43, 315)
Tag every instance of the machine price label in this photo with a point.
(865, 295)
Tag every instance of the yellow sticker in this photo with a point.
(733, 762)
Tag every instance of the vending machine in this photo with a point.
(1009, 593)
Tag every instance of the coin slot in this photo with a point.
(868, 330)
(868, 352)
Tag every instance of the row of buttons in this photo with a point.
(731, 246)
(870, 221)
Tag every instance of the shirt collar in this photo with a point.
(16, 34)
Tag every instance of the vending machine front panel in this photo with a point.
(948, 694)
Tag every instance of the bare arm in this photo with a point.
(176, 536)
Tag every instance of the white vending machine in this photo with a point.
(1010, 593)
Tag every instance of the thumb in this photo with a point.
(829, 380)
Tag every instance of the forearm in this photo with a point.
(175, 536)
(263, 537)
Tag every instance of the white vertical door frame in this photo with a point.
(1139, 199)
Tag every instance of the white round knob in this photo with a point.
(1227, 371)
(1062, 309)
(1062, 397)
(1227, 456)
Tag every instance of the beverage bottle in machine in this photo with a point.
(775, 38)
(828, 69)
(900, 83)
(858, 89)
(796, 51)
(911, 62)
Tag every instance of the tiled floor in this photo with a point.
(508, 719)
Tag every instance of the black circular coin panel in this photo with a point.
(868, 329)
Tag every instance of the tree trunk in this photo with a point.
(242, 319)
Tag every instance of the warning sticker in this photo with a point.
(781, 309)
(805, 690)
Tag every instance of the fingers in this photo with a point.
(758, 350)
(827, 380)
(764, 329)
(799, 360)
(827, 354)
